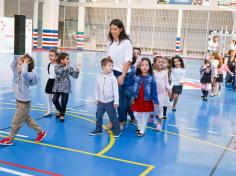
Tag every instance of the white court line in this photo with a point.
(93, 101)
(172, 125)
(40, 104)
(13, 100)
(1, 98)
(193, 129)
(14, 172)
(213, 132)
(82, 111)
(87, 73)
(19, 135)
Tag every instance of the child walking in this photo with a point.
(177, 79)
(23, 79)
(62, 84)
(206, 77)
(107, 98)
(51, 74)
(145, 95)
(167, 67)
(163, 88)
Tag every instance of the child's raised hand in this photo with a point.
(78, 66)
(26, 60)
(116, 106)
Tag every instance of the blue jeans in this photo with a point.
(111, 111)
(123, 100)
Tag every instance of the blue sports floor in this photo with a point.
(197, 140)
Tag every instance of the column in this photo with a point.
(50, 24)
(178, 37)
(81, 27)
(35, 24)
(234, 21)
(128, 18)
(2, 8)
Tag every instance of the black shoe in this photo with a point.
(58, 115)
(133, 121)
(140, 134)
(137, 131)
(204, 98)
(165, 117)
(95, 132)
(174, 109)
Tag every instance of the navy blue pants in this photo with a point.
(123, 101)
(111, 111)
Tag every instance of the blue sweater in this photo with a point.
(22, 81)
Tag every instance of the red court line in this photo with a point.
(195, 85)
(29, 168)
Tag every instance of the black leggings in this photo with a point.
(61, 107)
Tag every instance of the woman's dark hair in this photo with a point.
(134, 58)
(150, 71)
(120, 25)
(31, 62)
(54, 51)
(62, 56)
(180, 60)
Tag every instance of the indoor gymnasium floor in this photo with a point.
(196, 140)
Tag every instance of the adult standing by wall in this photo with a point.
(119, 48)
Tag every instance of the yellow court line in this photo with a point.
(181, 135)
(100, 154)
(111, 137)
(150, 167)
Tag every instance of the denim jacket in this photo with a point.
(150, 88)
(129, 82)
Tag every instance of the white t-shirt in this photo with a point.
(233, 46)
(177, 76)
(52, 74)
(213, 46)
(120, 53)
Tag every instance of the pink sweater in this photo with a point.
(163, 86)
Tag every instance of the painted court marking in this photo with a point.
(99, 154)
(28, 168)
(14, 172)
(168, 132)
(19, 135)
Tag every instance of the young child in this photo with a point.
(51, 74)
(177, 79)
(24, 78)
(222, 69)
(163, 88)
(130, 87)
(214, 59)
(107, 98)
(145, 95)
(62, 84)
(167, 66)
(206, 77)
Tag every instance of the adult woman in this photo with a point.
(120, 49)
(213, 45)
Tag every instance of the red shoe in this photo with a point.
(6, 141)
(40, 137)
